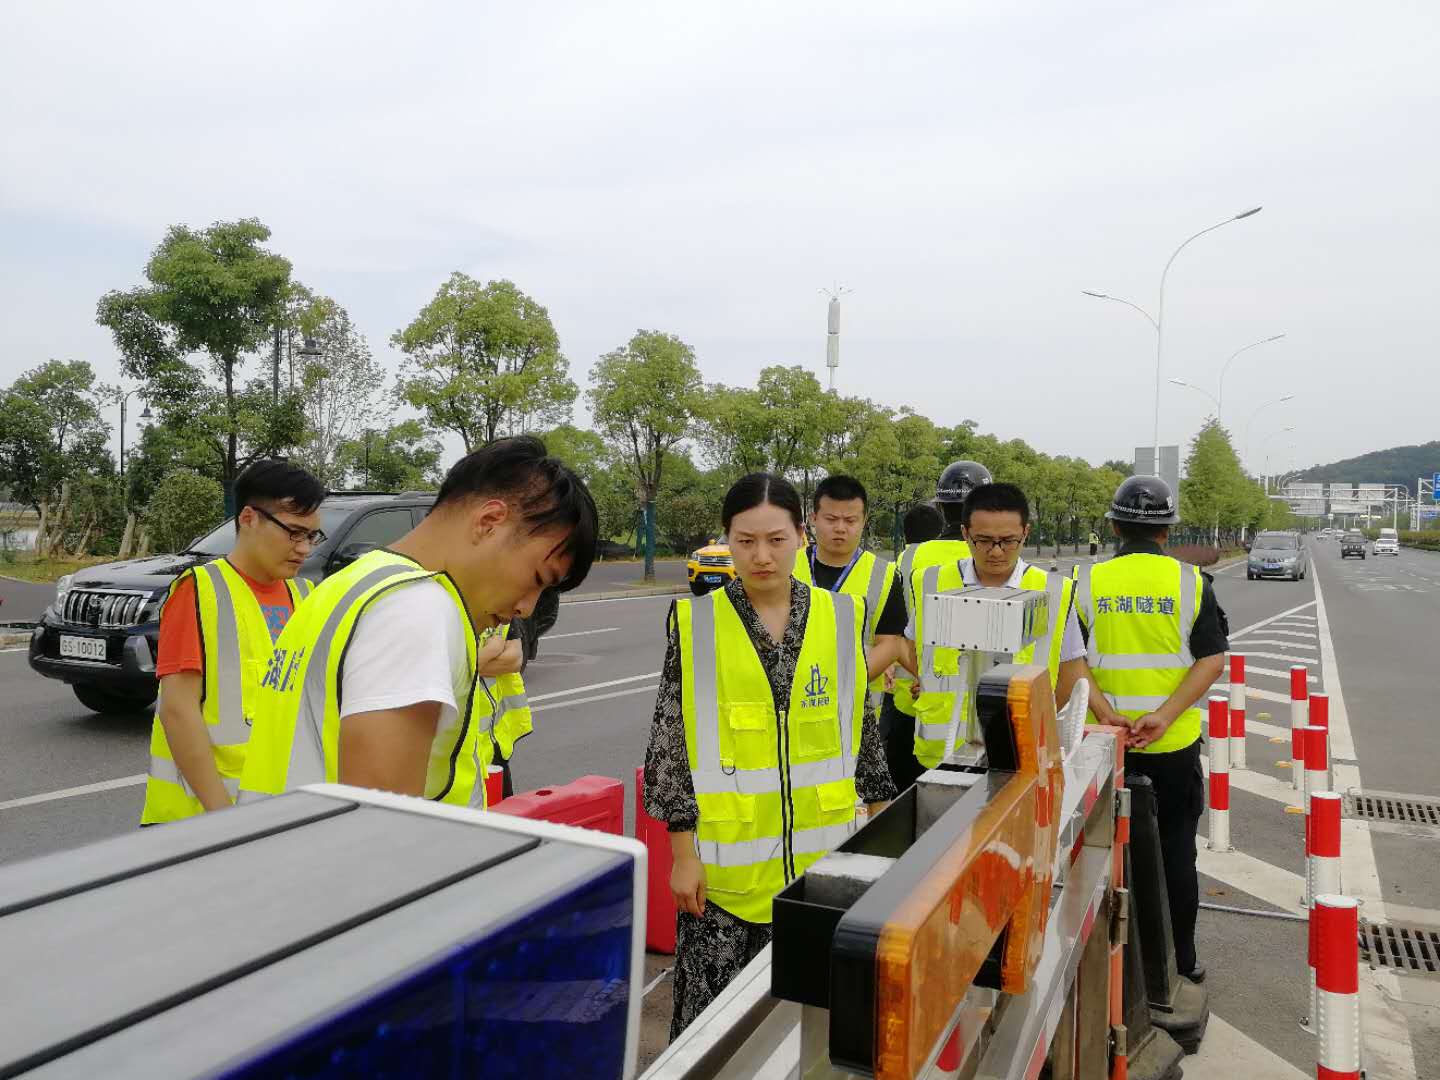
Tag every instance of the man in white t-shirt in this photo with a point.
(403, 708)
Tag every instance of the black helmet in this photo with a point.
(959, 479)
(1144, 500)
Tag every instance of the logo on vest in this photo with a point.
(815, 695)
(280, 672)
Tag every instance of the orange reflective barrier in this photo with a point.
(995, 879)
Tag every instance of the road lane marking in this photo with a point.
(1287, 657)
(536, 698)
(628, 599)
(579, 633)
(1261, 784)
(656, 981)
(595, 697)
(70, 793)
(1254, 877)
(1273, 618)
(1252, 669)
(1387, 1033)
(1306, 635)
(1279, 644)
(1226, 1049)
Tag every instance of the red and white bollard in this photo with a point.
(1237, 711)
(1320, 717)
(1336, 922)
(1299, 693)
(1322, 869)
(1316, 759)
(1219, 774)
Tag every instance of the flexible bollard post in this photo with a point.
(1316, 759)
(1219, 773)
(1320, 717)
(1322, 871)
(1237, 711)
(1337, 986)
(1299, 692)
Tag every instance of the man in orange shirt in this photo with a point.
(217, 629)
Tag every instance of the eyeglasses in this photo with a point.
(313, 537)
(989, 543)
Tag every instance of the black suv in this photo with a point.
(101, 633)
(1353, 543)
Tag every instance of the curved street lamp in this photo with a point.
(1200, 390)
(1250, 427)
(1159, 321)
(1226, 368)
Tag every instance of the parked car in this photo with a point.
(1387, 543)
(1277, 554)
(1352, 543)
(710, 567)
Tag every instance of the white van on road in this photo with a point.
(1387, 543)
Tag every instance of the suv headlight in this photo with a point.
(62, 590)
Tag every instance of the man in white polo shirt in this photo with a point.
(996, 522)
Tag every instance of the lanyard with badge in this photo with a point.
(845, 573)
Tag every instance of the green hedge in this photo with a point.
(1430, 540)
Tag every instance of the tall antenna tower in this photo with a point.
(832, 330)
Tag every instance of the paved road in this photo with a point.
(593, 689)
(23, 601)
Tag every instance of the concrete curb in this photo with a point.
(10, 639)
(623, 594)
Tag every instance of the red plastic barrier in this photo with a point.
(660, 903)
(592, 802)
(494, 786)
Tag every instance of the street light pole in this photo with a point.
(1160, 319)
(1250, 427)
(1159, 323)
(1200, 390)
(144, 415)
(1220, 400)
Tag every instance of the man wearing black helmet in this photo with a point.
(1157, 641)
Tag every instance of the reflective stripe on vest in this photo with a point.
(871, 577)
(769, 805)
(235, 642)
(297, 726)
(1135, 678)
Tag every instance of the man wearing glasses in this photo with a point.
(217, 631)
(996, 522)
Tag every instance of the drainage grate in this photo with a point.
(1389, 807)
(1413, 950)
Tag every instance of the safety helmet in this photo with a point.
(1144, 500)
(959, 479)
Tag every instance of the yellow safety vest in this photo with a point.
(296, 737)
(943, 709)
(904, 692)
(512, 712)
(1139, 610)
(236, 645)
(775, 781)
(870, 579)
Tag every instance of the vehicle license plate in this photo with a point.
(82, 648)
(712, 579)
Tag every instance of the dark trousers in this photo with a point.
(898, 733)
(1179, 800)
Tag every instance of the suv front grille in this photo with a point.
(715, 560)
(104, 610)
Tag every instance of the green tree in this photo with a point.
(402, 457)
(185, 505)
(688, 509)
(1215, 493)
(340, 389)
(1124, 468)
(897, 458)
(52, 430)
(644, 397)
(484, 361)
(584, 451)
(219, 292)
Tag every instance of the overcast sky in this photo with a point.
(967, 170)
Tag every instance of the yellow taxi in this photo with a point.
(710, 567)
